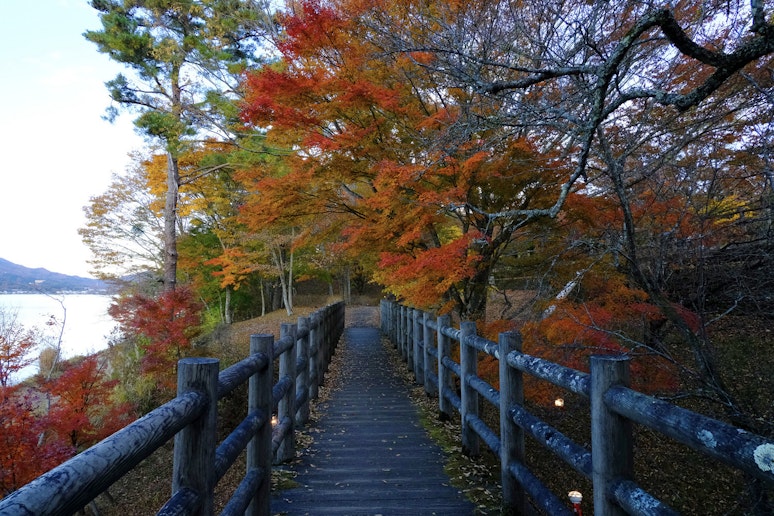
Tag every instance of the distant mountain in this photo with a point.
(17, 279)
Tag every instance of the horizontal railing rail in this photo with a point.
(303, 350)
(425, 343)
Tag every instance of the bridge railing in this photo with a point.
(425, 344)
(303, 351)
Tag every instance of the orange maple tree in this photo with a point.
(365, 171)
(83, 409)
(23, 456)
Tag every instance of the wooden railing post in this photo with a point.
(394, 312)
(302, 412)
(341, 307)
(611, 434)
(404, 333)
(416, 341)
(511, 434)
(286, 408)
(194, 453)
(428, 341)
(408, 330)
(388, 321)
(259, 398)
(323, 340)
(445, 378)
(399, 329)
(469, 396)
(315, 372)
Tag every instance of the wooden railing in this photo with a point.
(304, 352)
(425, 343)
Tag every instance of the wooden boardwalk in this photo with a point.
(370, 454)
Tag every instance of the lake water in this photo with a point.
(86, 328)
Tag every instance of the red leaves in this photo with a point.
(21, 457)
(83, 410)
(41, 429)
(167, 323)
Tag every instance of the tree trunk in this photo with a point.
(227, 309)
(347, 286)
(170, 221)
(263, 298)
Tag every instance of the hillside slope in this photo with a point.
(16, 278)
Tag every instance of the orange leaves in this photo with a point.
(22, 457)
(84, 412)
(234, 265)
(603, 315)
(422, 278)
(424, 58)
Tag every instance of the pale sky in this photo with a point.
(56, 151)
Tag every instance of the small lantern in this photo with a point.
(575, 500)
(559, 402)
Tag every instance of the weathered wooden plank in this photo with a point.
(611, 433)
(237, 374)
(230, 448)
(748, 452)
(245, 492)
(547, 501)
(635, 500)
(570, 379)
(182, 503)
(428, 345)
(302, 370)
(469, 369)
(194, 453)
(562, 446)
(511, 435)
(259, 450)
(445, 380)
(286, 409)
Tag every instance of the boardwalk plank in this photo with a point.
(370, 454)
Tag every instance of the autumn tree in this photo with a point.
(377, 170)
(568, 68)
(16, 346)
(184, 66)
(22, 456)
(161, 328)
(84, 410)
(123, 230)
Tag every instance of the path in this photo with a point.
(370, 454)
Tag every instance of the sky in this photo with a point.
(56, 151)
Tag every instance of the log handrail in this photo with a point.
(614, 408)
(190, 418)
